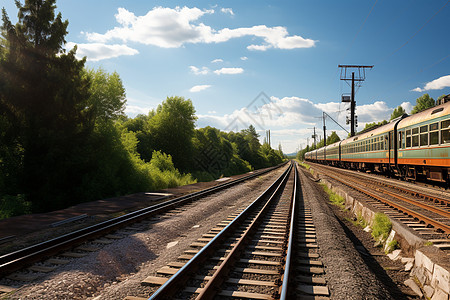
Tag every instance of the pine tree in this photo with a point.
(44, 95)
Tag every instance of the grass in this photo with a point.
(304, 165)
(359, 221)
(381, 227)
(334, 198)
(391, 246)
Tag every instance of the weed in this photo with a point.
(306, 166)
(391, 246)
(428, 243)
(334, 198)
(381, 227)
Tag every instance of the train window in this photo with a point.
(434, 134)
(424, 135)
(434, 137)
(408, 138)
(434, 126)
(424, 139)
(445, 132)
(415, 137)
(415, 140)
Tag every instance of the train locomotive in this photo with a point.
(412, 147)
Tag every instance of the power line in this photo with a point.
(420, 29)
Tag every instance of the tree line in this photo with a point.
(64, 137)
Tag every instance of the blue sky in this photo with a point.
(273, 64)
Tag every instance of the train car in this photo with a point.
(424, 144)
(332, 154)
(372, 150)
(321, 155)
(409, 146)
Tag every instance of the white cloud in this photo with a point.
(98, 51)
(199, 88)
(229, 71)
(135, 110)
(172, 28)
(227, 11)
(437, 84)
(197, 71)
(259, 47)
(217, 60)
(407, 106)
(212, 112)
(244, 58)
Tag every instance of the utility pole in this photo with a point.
(324, 131)
(314, 136)
(360, 77)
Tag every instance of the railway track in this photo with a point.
(251, 253)
(425, 212)
(99, 232)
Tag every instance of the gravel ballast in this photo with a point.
(116, 271)
(347, 275)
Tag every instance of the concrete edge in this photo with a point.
(432, 277)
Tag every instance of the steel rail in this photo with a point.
(213, 285)
(435, 199)
(18, 259)
(420, 204)
(288, 271)
(176, 281)
(436, 224)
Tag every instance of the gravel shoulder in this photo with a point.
(355, 269)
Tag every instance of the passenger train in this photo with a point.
(412, 147)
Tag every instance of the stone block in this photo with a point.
(441, 279)
(423, 261)
(413, 286)
(389, 239)
(420, 274)
(409, 265)
(428, 290)
(439, 295)
(394, 255)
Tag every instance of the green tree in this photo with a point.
(44, 97)
(107, 95)
(370, 126)
(422, 103)
(398, 112)
(172, 129)
(333, 138)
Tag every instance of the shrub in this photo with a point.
(381, 227)
(334, 198)
(11, 206)
(392, 246)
